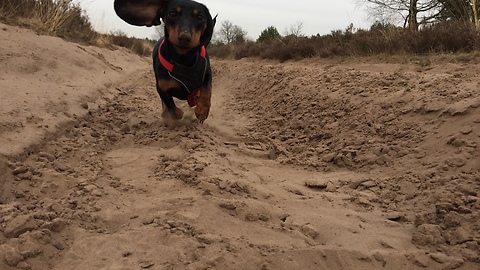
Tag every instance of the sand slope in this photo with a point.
(301, 165)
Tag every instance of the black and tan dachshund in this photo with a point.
(180, 60)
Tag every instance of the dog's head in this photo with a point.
(188, 24)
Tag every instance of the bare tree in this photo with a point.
(159, 32)
(412, 15)
(408, 10)
(294, 29)
(475, 7)
(462, 10)
(230, 33)
(216, 38)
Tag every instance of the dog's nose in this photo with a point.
(184, 38)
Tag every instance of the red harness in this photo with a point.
(192, 97)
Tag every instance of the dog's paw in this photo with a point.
(165, 114)
(177, 114)
(201, 112)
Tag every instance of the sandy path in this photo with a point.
(260, 185)
(201, 197)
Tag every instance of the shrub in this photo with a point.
(381, 39)
(290, 47)
(268, 34)
(248, 49)
(220, 50)
(449, 36)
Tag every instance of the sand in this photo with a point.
(301, 165)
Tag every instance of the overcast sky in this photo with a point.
(253, 16)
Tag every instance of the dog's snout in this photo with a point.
(184, 37)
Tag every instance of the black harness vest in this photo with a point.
(191, 78)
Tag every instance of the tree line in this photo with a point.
(413, 14)
(230, 33)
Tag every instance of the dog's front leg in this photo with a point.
(203, 103)
(170, 110)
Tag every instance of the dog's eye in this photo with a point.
(172, 14)
(200, 17)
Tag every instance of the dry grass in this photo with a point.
(139, 46)
(67, 20)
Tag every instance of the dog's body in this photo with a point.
(180, 61)
(184, 77)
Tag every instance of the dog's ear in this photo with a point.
(140, 12)
(208, 33)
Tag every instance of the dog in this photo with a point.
(180, 59)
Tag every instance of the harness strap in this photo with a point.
(203, 52)
(192, 98)
(169, 66)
